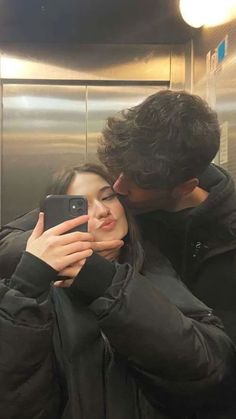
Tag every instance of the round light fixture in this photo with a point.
(207, 12)
(192, 12)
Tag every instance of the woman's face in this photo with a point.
(108, 219)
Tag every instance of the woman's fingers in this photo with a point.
(64, 283)
(76, 257)
(106, 245)
(76, 247)
(72, 270)
(38, 229)
(75, 236)
(68, 225)
(69, 273)
(61, 250)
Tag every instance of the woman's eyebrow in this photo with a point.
(105, 188)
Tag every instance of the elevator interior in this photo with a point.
(57, 94)
(49, 127)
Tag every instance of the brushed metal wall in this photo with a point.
(85, 62)
(44, 129)
(49, 127)
(219, 87)
(55, 99)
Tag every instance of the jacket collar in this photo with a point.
(221, 201)
(219, 207)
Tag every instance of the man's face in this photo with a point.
(141, 200)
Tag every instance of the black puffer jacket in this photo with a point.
(201, 244)
(113, 346)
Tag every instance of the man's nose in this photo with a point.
(119, 185)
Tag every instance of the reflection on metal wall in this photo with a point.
(48, 122)
(107, 100)
(49, 127)
(85, 62)
(43, 130)
(219, 87)
(225, 94)
(177, 68)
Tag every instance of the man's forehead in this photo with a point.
(124, 177)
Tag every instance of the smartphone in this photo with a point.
(59, 208)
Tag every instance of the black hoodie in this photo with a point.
(201, 244)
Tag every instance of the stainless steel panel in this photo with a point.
(1, 127)
(189, 59)
(85, 62)
(225, 94)
(219, 87)
(104, 101)
(44, 129)
(177, 67)
(207, 40)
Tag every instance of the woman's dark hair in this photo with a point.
(169, 138)
(132, 251)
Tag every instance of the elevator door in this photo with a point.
(44, 129)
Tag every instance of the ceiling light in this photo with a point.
(192, 12)
(207, 12)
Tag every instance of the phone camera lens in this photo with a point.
(76, 206)
(79, 202)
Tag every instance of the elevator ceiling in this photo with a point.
(93, 21)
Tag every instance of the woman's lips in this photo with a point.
(105, 224)
(108, 225)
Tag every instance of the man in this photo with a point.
(160, 152)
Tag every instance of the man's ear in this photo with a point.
(185, 188)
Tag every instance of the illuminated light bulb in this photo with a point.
(207, 12)
(223, 11)
(193, 12)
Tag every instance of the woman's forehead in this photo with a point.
(87, 183)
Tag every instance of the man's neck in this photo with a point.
(195, 198)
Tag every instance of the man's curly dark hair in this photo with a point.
(171, 137)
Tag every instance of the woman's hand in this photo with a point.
(69, 273)
(59, 250)
(109, 249)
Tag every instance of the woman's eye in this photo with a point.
(109, 197)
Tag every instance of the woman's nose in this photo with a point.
(101, 210)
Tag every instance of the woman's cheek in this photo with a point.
(126, 228)
(93, 225)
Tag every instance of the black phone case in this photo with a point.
(57, 208)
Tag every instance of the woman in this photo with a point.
(101, 199)
(125, 341)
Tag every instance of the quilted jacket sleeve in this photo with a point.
(26, 347)
(13, 239)
(172, 343)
